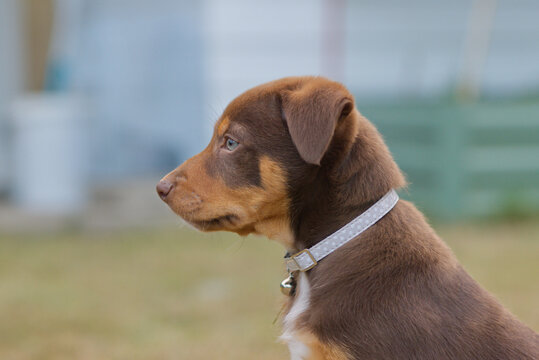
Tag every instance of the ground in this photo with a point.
(178, 294)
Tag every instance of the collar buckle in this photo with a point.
(305, 251)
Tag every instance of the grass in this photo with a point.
(178, 294)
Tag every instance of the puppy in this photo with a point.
(295, 161)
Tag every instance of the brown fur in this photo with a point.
(307, 164)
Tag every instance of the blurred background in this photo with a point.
(100, 99)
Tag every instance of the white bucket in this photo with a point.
(49, 153)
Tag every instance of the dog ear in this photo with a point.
(312, 113)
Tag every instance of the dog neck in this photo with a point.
(350, 179)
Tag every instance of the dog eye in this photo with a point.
(231, 144)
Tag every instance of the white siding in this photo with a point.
(400, 48)
(251, 42)
(11, 74)
(513, 63)
(393, 48)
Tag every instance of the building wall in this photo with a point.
(251, 42)
(404, 48)
(392, 49)
(140, 66)
(158, 74)
(513, 62)
(11, 75)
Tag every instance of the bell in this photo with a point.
(288, 286)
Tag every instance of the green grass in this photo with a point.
(178, 294)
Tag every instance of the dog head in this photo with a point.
(269, 143)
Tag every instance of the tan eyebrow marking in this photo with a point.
(223, 126)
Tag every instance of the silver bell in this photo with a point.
(288, 286)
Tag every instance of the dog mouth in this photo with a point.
(229, 220)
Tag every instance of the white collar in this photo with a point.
(308, 258)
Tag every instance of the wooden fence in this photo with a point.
(465, 160)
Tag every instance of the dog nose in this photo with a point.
(163, 188)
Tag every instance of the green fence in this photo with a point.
(465, 159)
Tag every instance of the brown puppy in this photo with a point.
(295, 161)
